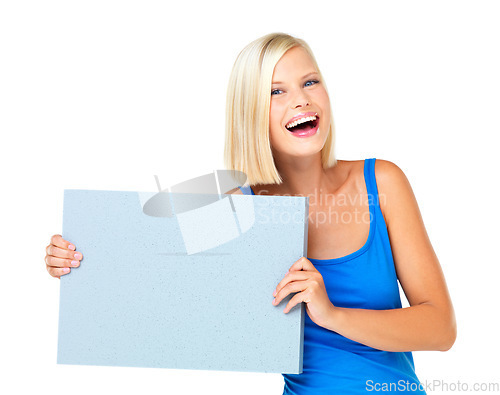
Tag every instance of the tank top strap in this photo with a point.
(376, 210)
(371, 182)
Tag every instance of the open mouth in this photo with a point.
(304, 126)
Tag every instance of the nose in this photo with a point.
(300, 100)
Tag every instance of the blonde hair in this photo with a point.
(247, 144)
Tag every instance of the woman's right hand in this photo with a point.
(60, 256)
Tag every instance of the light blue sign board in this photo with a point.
(141, 299)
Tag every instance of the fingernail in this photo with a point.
(74, 263)
(274, 293)
(78, 256)
(66, 270)
(71, 247)
(274, 301)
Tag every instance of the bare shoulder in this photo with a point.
(388, 171)
(235, 191)
(390, 178)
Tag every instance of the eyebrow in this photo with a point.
(307, 75)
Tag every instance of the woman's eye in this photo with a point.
(312, 82)
(307, 83)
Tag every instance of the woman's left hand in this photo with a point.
(304, 279)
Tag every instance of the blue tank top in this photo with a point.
(364, 279)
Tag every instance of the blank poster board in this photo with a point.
(189, 288)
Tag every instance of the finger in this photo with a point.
(297, 298)
(302, 264)
(296, 286)
(58, 241)
(289, 277)
(61, 262)
(58, 271)
(63, 253)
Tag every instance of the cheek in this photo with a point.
(323, 98)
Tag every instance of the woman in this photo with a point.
(365, 230)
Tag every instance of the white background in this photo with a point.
(104, 94)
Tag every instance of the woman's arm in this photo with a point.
(429, 323)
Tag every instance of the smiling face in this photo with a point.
(298, 100)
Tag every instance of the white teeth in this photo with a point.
(301, 120)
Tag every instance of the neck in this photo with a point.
(302, 176)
